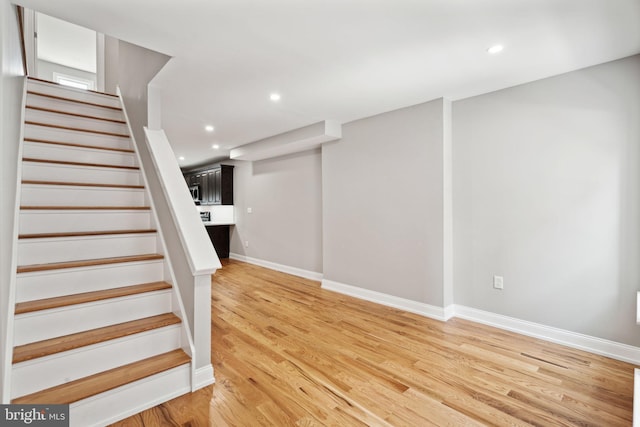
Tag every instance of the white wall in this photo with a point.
(285, 195)
(546, 194)
(46, 70)
(383, 204)
(11, 91)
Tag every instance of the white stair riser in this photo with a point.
(42, 373)
(35, 150)
(73, 107)
(61, 221)
(44, 251)
(94, 220)
(67, 195)
(42, 325)
(55, 283)
(66, 120)
(74, 137)
(86, 174)
(117, 404)
(66, 92)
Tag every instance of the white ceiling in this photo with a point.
(344, 59)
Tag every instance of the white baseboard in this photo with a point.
(612, 349)
(203, 377)
(311, 275)
(420, 308)
(636, 398)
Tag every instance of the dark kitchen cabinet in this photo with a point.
(219, 235)
(215, 184)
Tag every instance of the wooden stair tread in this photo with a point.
(104, 381)
(65, 162)
(119, 135)
(83, 116)
(77, 101)
(87, 263)
(71, 144)
(51, 346)
(66, 300)
(82, 184)
(85, 208)
(85, 233)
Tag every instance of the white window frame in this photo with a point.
(73, 81)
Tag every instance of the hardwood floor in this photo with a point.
(286, 352)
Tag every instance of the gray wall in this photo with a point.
(285, 195)
(546, 193)
(383, 204)
(11, 90)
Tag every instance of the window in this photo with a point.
(73, 81)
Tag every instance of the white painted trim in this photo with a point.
(420, 308)
(196, 244)
(615, 350)
(449, 312)
(636, 398)
(307, 274)
(9, 317)
(203, 377)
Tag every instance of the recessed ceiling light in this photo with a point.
(275, 97)
(181, 158)
(215, 146)
(209, 128)
(495, 49)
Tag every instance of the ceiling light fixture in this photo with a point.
(215, 146)
(495, 49)
(209, 128)
(181, 158)
(275, 97)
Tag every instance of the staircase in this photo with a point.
(96, 324)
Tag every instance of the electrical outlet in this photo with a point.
(246, 243)
(498, 282)
(249, 210)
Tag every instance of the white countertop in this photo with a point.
(212, 223)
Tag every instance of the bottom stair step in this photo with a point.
(105, 381)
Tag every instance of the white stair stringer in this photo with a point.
(91, 321)
(49, 151)
(58, 322)
(44, 372)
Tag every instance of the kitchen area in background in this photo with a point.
(211, 189)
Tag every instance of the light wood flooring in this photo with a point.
(287, 353)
